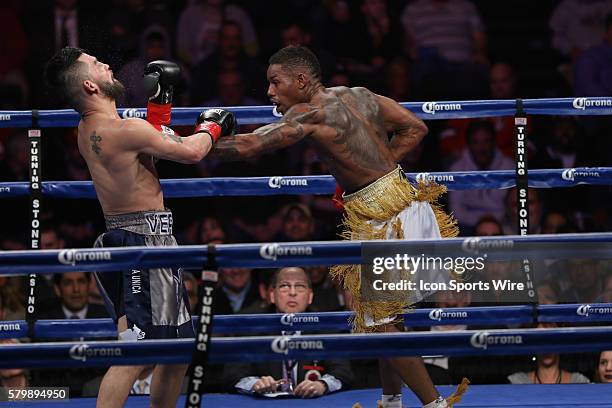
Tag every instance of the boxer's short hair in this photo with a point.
(64, 73)
(294, 57)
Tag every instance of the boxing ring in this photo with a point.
(93, 352)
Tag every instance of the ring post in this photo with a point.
(522, 191)
(34, 142)
(209, 278)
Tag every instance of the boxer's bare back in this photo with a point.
(346, 126)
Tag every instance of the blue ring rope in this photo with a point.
(339, 346)
(430, 110)
(330, 321)
(270, 255)
(296, 185)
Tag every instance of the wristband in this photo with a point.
(337, 199)
(212, 128)
(159, 114)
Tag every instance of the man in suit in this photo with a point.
(237, 291)
(72, 289)
(291, 292)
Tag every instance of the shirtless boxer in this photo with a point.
(146, 304)
(348, 127)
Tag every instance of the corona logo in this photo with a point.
(433, 107)
(133, 113)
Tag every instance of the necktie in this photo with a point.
(288, 366)
(289, 384)
(75, 316)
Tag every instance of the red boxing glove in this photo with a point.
(212, 128)
(158, 115)
(337, 198)
(216, 122)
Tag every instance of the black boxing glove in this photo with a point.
(217, 123)
(160, 78)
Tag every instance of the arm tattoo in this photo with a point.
(287, 131)
(170, 135)
(95, 139)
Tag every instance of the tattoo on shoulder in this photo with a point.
(95, 139)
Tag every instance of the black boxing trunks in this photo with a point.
(154, 301)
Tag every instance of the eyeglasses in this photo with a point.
(286, 287)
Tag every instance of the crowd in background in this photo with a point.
(420, 50)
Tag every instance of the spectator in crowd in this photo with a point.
(502, 86)
(231, 92)
(585, 282)
(547, 370)
(336, 30)
(52, 25)
(14, 167)
(449, 30)
(229, 56)
(12, 302)
(294, 222)
(548, 292)
(593, 77)
(154, 45)
(200, 23)
(481, 154)
(211, 231)
(562, 149)
(237, 291)
(14, 378)
(604, 367)
(325, 297)
(291, 292)
(339, 77)
(502, 81)
(397, 84)
(125, 23)
(553, 222)
(488, 226)
(577, 25)
(298, 223)
(447, 40)
(592, 72)
(72, 290)
(263, 304)
(294, 32)
(50, 238)
(567, 148)
(379, 35)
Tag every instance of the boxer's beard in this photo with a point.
(112, 89)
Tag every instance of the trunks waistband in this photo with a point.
(378, 188)
(154, 222)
